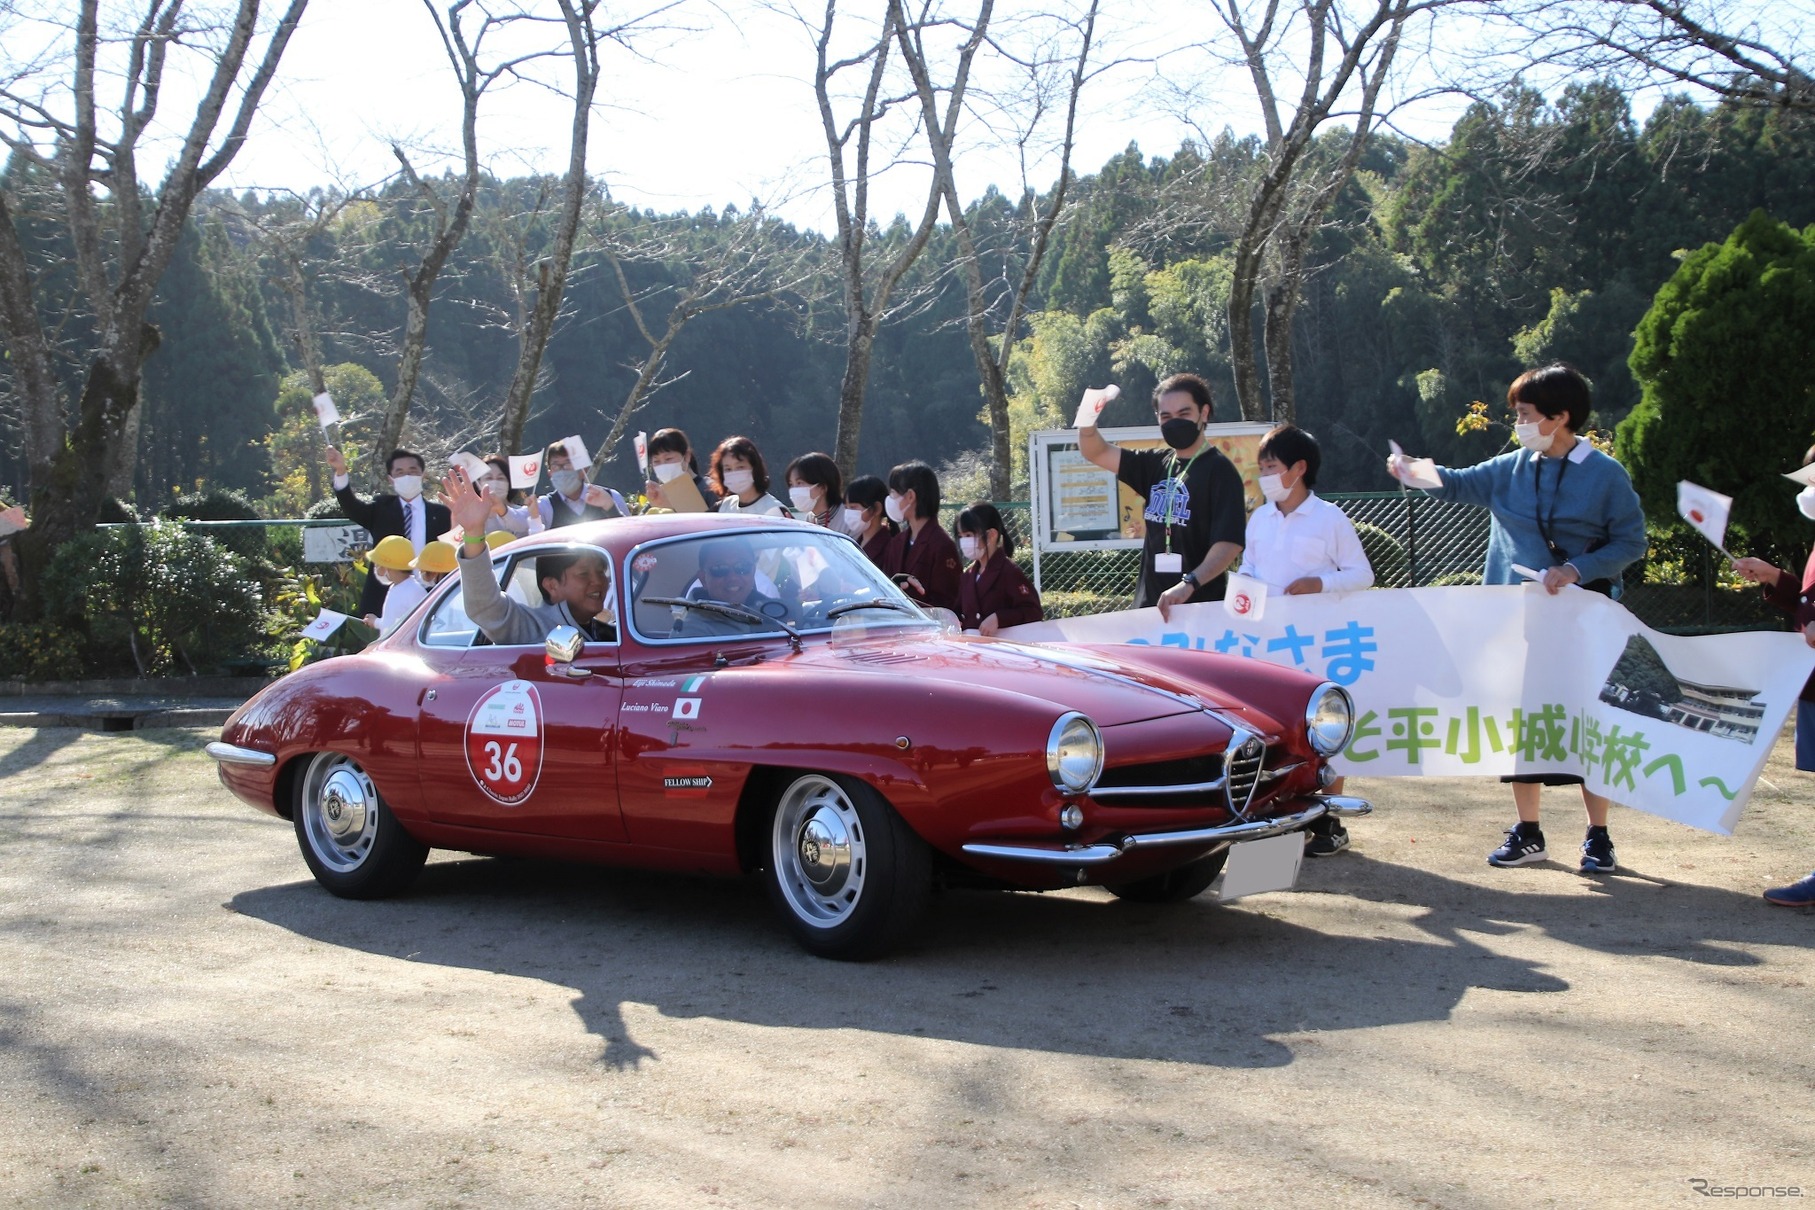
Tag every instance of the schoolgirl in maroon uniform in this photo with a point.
(866, 517)
(992, 591)
(922, 559)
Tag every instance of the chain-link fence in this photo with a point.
(1412, 541)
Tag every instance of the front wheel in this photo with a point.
(354, 845)
(848, 875)
(1174, 886)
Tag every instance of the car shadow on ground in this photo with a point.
(1199, 982)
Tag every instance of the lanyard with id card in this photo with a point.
(1169, 561)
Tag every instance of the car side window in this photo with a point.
(447, 624)
(521, 584)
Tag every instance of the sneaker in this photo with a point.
(1326, 838)
(1597, 852)
(1797, 894)
(1524, 845)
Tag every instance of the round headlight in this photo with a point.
(1329, 717)
(1074, 753)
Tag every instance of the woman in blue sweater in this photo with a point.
(1563, 506)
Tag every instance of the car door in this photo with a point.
(506, 743)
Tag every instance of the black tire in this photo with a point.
(353, 844)
(847, 874)
(1174, 886)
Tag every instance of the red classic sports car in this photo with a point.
(753, 695)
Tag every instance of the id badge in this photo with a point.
(1168, 562)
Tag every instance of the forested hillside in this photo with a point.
(1541, 229)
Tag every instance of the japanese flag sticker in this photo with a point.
(686, 707)
(504, 742)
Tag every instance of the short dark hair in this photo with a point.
(1192, 385)
(979, 517)
(867, 491)
(554, 566)
(738, 447)
(391, 461)
(1289, 444)
(673, 441)
(919, 478)
(1554, 390)
(820, 471)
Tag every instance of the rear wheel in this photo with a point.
(1174, 886)
(848, 875)
(354, 845)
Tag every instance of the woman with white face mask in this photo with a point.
(1796, 598)
(992, 591)
(866, 517)
(671, 457)
(509, 514)
(739, 476)
(816, 491)
(1563, 507)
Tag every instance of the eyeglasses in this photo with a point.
(719, 571)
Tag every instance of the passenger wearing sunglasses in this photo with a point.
(728, 575)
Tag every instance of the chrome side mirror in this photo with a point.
(563, 647)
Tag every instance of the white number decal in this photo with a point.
(504, 763)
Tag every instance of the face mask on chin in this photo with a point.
(407, 486)
(1179, 433)
(668, 472)
(1531, 438)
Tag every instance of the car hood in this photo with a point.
(1112, 692)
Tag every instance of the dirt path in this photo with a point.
(185, 1019)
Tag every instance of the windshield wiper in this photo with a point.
(725, 608)
(879, 603)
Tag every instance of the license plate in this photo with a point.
(1256, 866)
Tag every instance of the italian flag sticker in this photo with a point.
(692, 684)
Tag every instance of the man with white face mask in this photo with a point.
(1796, 598)
(1562, 505)
(400, 511)
(574, 500)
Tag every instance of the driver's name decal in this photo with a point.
(504, 742)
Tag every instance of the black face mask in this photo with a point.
(1179, 433)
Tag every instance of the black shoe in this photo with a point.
(1597, 852)
(1524, 845)
(1326, 841)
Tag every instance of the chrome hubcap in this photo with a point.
(817, 847)
(343, 804)
(339, 812)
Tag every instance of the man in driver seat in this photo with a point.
(573, 583)
(728, 575)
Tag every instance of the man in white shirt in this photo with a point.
(401, 511)
(1299, 544)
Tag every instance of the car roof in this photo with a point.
(622, 533)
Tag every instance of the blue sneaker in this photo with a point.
(1797, 894)
(1524, 845)
(1597, 852)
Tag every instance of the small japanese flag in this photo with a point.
(576, 452)
(324, 625)
(525, 469)
(325, 411)
(1245, 597)
(475, 469)
(13, 520)
(643, 453)
(1092, 404)
(1414, 472)
(1706, 510)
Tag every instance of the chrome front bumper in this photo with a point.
(1106, 851)
(232, 754)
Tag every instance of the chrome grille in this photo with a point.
(1245, 757)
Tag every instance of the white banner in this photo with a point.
(1490, 681)
(334, 543)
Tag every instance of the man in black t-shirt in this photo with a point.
(1194, 507)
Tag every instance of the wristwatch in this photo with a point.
(1190, 578)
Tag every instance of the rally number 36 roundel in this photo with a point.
(504, 741)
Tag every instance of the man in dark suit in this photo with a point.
(399, 511)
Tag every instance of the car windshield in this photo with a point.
(756, 582)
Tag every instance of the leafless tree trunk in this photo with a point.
(121, 251)
(992, 362)
(867, 286)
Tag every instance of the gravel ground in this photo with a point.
(186, 1019)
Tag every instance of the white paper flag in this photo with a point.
(643, 453)
(1092, 404)
(576, 452)
(13, 520)
(1706, 510)
(325, 411)
(1415, 472)
(525, 469)
(1245, 597)
(324, 625)
(1804, 475)
(475, 468)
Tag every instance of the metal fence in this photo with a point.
(1412, 541)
